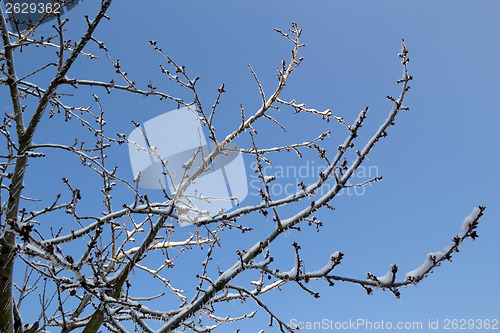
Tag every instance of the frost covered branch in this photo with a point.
(83, 260)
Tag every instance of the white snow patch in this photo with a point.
(420, 271)
(329, 265)
(468, 221)
(269, 179)
(388, 277)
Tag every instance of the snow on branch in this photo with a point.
(468, 230)
(82, 258)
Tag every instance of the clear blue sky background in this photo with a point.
(438, 162)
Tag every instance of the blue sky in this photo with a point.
(438, 162)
